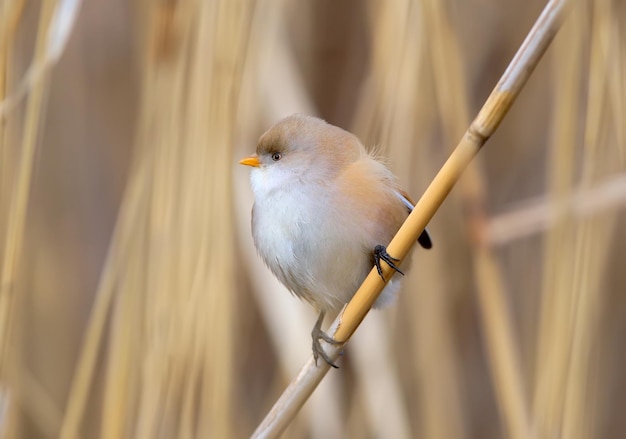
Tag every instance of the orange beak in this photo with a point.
(252, 160)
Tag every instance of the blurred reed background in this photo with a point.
(133, 304)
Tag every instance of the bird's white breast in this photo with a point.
(311, 239)
(302, 233)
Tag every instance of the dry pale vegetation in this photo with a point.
(133, 305)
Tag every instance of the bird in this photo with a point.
(324, 210)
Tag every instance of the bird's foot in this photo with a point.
(380, 253)
(317, 334)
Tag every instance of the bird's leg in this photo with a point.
(317, 334)
(380, 252)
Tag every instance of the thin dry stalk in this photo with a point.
(593, 237)
(502, 346)
(579, 405)
(60, 25)
(168, 280)
(127, 226)
(392, 35)
(539, 214)
(481, 129)
(36, 399)
(18, 203)
(16, 167)
(568, 365)
(9, 18)
(552, 347)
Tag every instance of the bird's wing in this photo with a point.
(424, 239)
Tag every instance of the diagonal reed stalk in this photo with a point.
(501, 343)
(483, 126)
(396, 110)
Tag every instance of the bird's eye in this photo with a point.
(277, 156)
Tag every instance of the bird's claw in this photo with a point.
(317, 334)
(380, 252)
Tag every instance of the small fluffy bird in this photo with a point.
(324, 210)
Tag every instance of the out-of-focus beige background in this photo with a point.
(133, 304)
